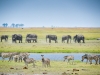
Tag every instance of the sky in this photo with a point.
(50, 13)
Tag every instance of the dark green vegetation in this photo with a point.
(91, 45)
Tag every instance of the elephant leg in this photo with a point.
(5, 39)
(63, 41)
(70, 40)
(19, 41)
(75, 40)
(1, 40)
(49, 40)
(78, 41)
(55, 41)
(83, 41)
(35, 40)
(67, 40)
(28, 41)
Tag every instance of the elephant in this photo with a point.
(78, 38)
(51, 37)
(67, 37)
(16, 37)
(30, 37)
(5, 37)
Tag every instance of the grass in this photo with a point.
(91, 46)
(89, 33)
(57, 68)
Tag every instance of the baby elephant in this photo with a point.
(45, 62)
(28, 61)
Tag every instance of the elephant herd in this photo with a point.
(33, 38)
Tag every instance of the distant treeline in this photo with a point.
(12, 25)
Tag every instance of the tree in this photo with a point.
(5, 25)
(16, 25)
(13, 25)
(21, 25)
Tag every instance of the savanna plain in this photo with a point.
(91, 45)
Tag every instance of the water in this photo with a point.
(55, 56)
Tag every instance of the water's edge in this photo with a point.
(56, 56)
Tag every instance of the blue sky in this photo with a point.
(47, 13)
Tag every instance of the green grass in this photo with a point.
(91, 45)
(57, 68)
(89, 33)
